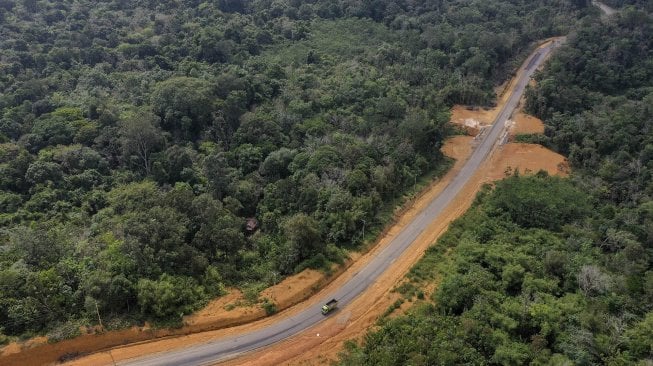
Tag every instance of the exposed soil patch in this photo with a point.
(233, 307)
(472, 119)
(525, 124)
(295, 287)
(227, 303)
(458, 147)
(528, 159)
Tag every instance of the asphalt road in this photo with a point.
(227, 348)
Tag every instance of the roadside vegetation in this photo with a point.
(542, 270)
(154, 153)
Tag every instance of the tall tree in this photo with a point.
(140, 136)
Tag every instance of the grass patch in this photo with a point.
(533, 138)
(118, 322)
(170, 323)
(396, 305)
(318, 261)
(269, 307)
(252, 291)
(67, 330)
(407, 289)
(4, 339)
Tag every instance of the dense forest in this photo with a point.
(154, 152)
(542, 270)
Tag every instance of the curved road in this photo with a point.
(223, 349)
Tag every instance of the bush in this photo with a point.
(318, 261)
(252, 291)
(67, 330)
(269, 307)
(539, 202)
(169, 297)
(3, 339)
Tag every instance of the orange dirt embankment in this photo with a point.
(472, 119)
(524, 124)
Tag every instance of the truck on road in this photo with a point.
(329, 306)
